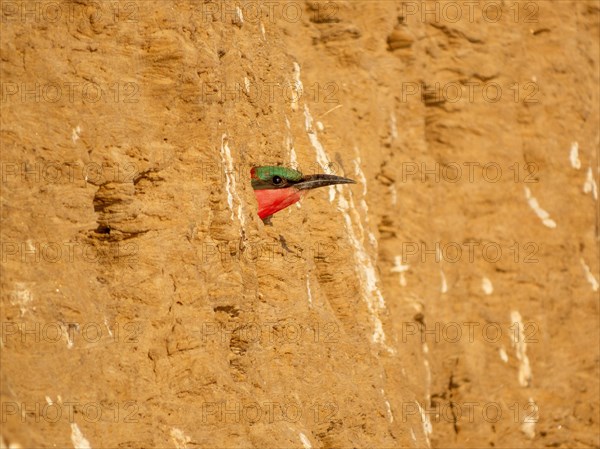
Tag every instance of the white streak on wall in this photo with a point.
(293, 158)
(228, 179)
(297, 87)
(239, 17)
(108, 327)
(400, 268)
(364, 264)
(439, 256)
(574, 156)
(590, 184)
(444, 287)
(518, 342)
(179, 438)
(68, 335)
(427, 372)
(247, 84)
(503, 354)
(388, 407)
(322, 158)
(48, 400)
(589, 276)
(11, 445)
(389, 411)
(230, 184)
(75, 133)
(77, 438)
(262, 31)
(372, 239)
(427, 428)
(363, 204)
(487, 286)
(365, 269)
(21, 296)
(360, 175)
(393, 194)
(308, 289)
(541, 213)
(289, 144)
(305, 441)
(530, 419)
(393, 126)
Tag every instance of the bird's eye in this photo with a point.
(277, 180)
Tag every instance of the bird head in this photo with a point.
(276, 188)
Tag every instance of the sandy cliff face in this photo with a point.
(449, 299)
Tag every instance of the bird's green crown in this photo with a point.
(273, 177)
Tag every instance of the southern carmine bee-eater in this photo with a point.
(276, 188)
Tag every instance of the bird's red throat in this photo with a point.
(273, 200)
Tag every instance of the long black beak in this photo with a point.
(314, 181)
